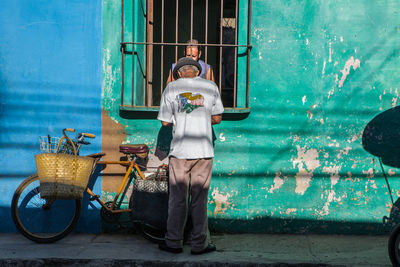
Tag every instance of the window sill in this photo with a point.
(140, 112)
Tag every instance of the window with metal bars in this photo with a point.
(155, 35)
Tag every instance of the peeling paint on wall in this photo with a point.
(221, 137)
(289, 211)
(331, 197)
(333, 171)
(309, 112)
(346, 70)
(344, 151)
(369, 173)
(113, 135)
(306, 162)
(278, 182)
(109, 80)
(221, 201)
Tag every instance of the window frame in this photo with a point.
(237, 108)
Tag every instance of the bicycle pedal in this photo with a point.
(93, 198)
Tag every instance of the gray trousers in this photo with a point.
(197, 173)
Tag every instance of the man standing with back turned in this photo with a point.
(191, 105)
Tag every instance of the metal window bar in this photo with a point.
(176, 29)
(162, 48)
(248, 53)
(220, 48)
(147, 55)
(133, 51)
(206, 38)
(235, 56)
(122, 53)
(191, 20)
(149, 47)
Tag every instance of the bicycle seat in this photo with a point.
(134, 149)
(96, 155)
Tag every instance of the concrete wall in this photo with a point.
(50, 79)
(302, 161)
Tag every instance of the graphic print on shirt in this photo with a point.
(188, 102)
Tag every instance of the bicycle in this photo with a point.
(49, 220)
(394, 238)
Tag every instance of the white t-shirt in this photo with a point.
(189, 103)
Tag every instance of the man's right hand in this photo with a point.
(164, 123)
(216, 119)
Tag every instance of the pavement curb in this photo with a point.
(139, 263)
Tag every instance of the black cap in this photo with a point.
(183, 61)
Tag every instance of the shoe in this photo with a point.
(210, 248)
(164, 247)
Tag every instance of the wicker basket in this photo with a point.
(63, 176)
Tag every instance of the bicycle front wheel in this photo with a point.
(42, 220)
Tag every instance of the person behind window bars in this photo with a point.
(193, 51)
(191, 105)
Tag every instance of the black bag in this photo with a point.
(149, 199)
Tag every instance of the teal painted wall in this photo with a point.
(321, 71)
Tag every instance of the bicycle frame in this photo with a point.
(131, 165)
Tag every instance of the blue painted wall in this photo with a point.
(50, 78)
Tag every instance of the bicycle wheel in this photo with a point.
(150, 232)
(147, 230)
(42, 220)
(394, 249)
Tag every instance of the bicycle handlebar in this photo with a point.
(75, 145)
(88, 135)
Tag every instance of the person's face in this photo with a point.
(193, 52)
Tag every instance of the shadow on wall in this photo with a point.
(272, 225)
(381, 138)
(132, 114)
(163, 145)
(296, 226)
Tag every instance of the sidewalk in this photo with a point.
(232, 250)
